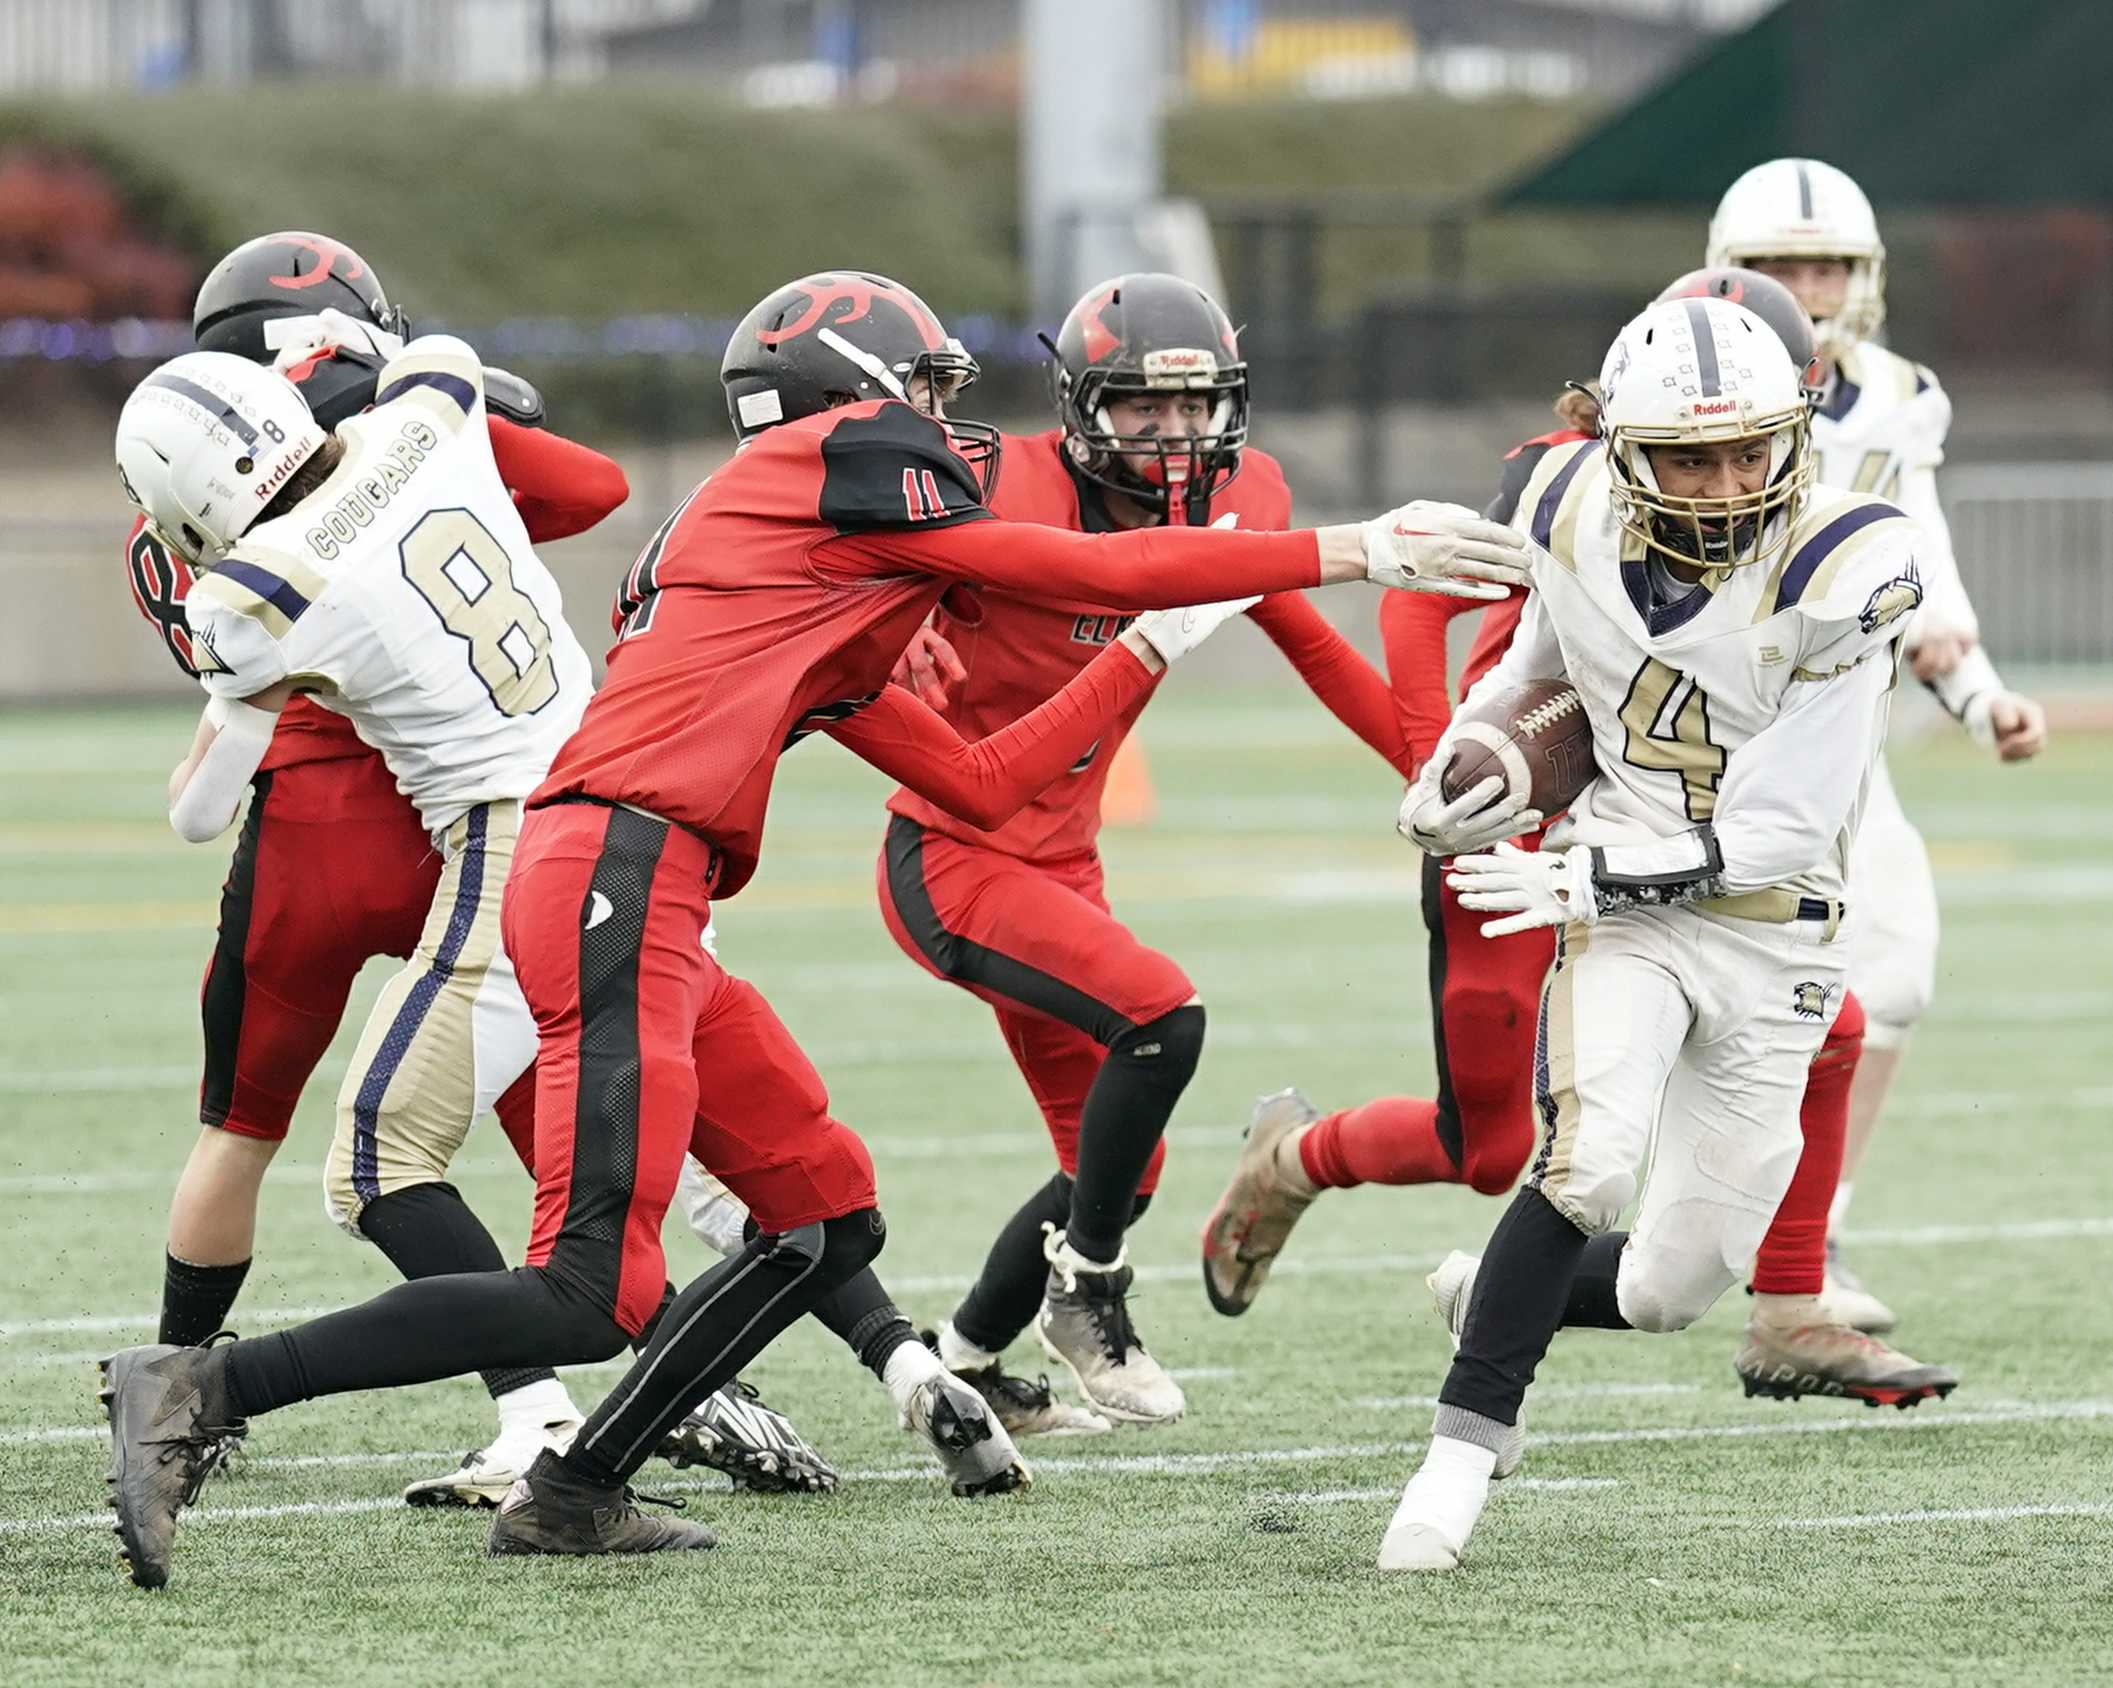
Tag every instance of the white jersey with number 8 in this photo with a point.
(404, 592)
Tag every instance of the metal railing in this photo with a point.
(2035, 548)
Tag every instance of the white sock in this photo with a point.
(911, 1364)
(958, 1354)
(1838, 1209)
(535, 1405)
(1448, 1489)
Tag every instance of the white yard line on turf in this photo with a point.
(1953, 1515)
(1167, 1465)
(1547, 1392)
(1392, 1491)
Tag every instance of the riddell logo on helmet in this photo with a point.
(1716, 407)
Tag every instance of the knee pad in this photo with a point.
(1593, 1205)
(1661, 1292)
(842, 1247)
(1168, 1047)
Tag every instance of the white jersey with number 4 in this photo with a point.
(1756, 702)
(404, 592)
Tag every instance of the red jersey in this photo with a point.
(778, 596)
(560, 487)
(1019, 649)
(1412, 624)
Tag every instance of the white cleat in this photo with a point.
(973, 1448)
(1452, 1287)
(1439, 1508)
(1084, 1325)
(485, 1475)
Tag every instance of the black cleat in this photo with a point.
(170, 1430)
(552, 1511)
(1025, 1408)
(754, 1444)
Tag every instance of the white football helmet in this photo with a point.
(206, 442)
(1802, 208)
(1696, 371)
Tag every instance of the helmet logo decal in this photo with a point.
(1100, 338)
(327, 253)
(858, 294)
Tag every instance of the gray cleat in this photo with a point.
(169, 1429)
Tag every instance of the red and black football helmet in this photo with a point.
(295, 274)
(843, 336)
(1151, 333)
(1768, 299)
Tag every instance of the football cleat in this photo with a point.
(1248, 1228)
(1789, 1360)
(549, 1510)
(974, 1449)
(754, 1444)
(1085, 1326)
(1438, 1511)
(487, 1475)
(1847, 1302)
(1025, 1409)
(1452, 1287)
(169, 1424)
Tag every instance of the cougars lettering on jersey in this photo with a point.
(404, 590)
(1019, 649)
(777, 598)
(1755, 701)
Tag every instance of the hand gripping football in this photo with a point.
(1534, 737)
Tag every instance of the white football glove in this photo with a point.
(2011, 724)
(297, 339)
(1174, 633)
(1447, 548)
(1483, 815)
(1532, 887)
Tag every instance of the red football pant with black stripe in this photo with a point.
(650, 1050)
(1037, 941)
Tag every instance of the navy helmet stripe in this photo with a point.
(1552, 499)
(1804, 193)
(396, 1044)
(1705, 347)
(234, 421)
(1820, 546)
(268, 586)
(453, 385)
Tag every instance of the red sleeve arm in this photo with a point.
(559, 486)
(1149, 569)
(1412, 632)
(988, 782)
(1351, 687)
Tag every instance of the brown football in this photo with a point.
(1534, 737)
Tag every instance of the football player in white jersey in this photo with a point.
(1879, 427)
(1732, 635)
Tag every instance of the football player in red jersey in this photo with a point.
(1485, 1007)
(331, 868)
(773, 603)
(1153, 399)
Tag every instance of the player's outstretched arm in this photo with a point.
(1412, 634)
(560, 486)
(233, 735)
(988, 782)
(1354, 691)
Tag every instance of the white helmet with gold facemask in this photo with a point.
(1700, 372)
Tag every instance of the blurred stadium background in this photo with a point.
(1426, 213)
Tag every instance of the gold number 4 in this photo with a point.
(1665, 722)
(460, 568)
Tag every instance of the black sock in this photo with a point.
(1593, 1302)
(422, 1331)
(717, 1326)
(1002, 1301)
(1125, 1115)
(872, 1326)
(428, 1231)
(195, 1299)
(1520, 1290)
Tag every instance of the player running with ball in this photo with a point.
(1733, 638)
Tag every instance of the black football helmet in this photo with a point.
(840, 337)
(1769, 300)
(1151, 333)
(294, 274)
